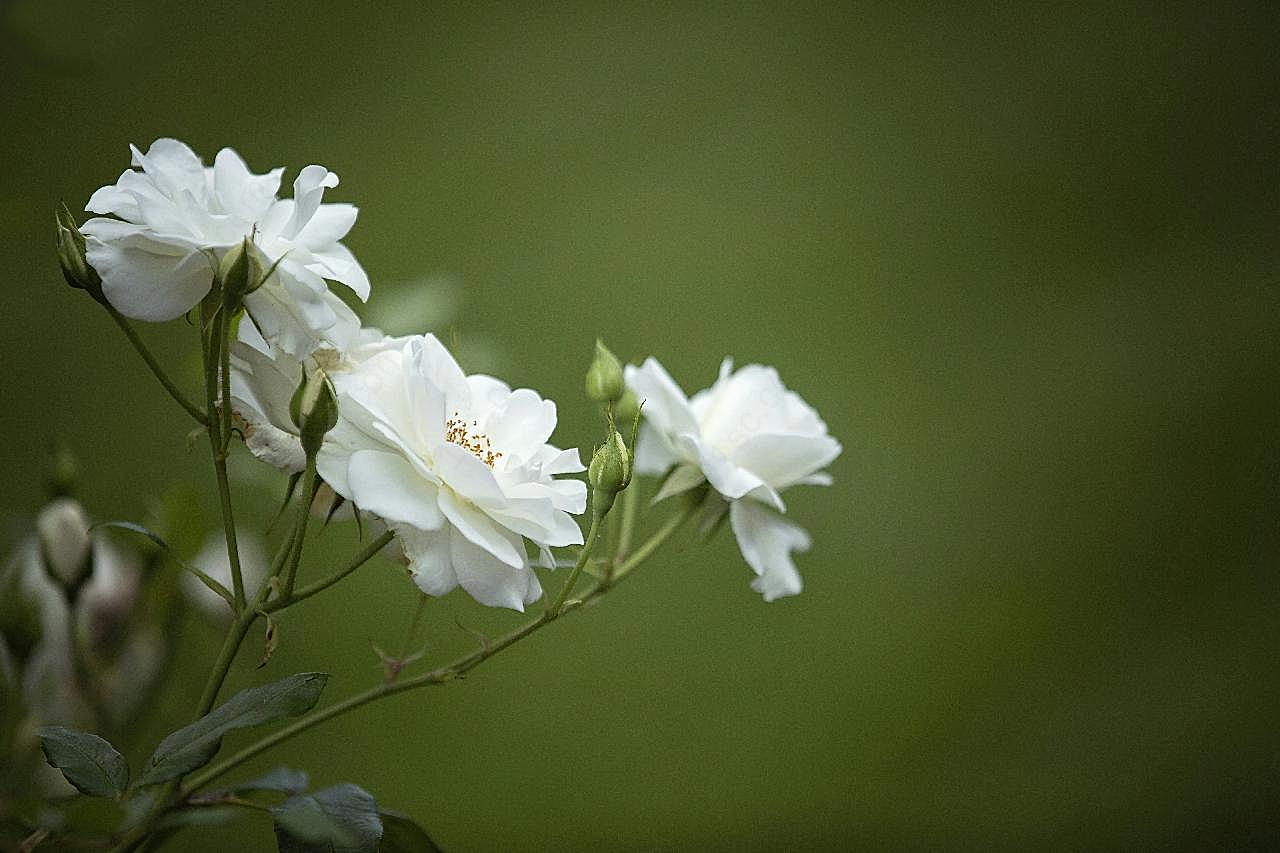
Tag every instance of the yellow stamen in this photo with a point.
(457, 431)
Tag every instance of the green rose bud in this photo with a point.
(604, 377)
(314, 408)
(240, 272)
(75, 268)
(609, 472)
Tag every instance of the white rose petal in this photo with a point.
(175, 217)
(766, 540)
(749, 437)
(458, 467)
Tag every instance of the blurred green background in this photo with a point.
(1022, 259)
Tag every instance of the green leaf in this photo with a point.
(88, 761)
(341, 819)
(196, 744)
(401, 834)
(219, 589)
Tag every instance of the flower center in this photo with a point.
(459, 432)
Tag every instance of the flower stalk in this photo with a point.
(592, 534)
(290, 573)
(216, 355)
(451, 672)
(173, 390)
(303, 593)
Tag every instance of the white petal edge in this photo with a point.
(766, 540)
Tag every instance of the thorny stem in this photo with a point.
(455, 670)
(174, 391)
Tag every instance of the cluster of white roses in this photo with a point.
(458, 466)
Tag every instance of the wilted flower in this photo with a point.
(458, 467)
(177, 218)
(750, 438)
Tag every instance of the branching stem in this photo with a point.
(455, 670)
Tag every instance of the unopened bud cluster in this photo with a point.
(610, 469)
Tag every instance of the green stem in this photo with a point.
(630, 509)
(245, 617)
(233, 800)
(174, 392)
(229, 530)
(231, 645)
(320, 586)
(661, 535)
(226, 656)
(214, 351)
(225, 373)
(300, 529)
(451, 672)
(282, 554)
(137, 837)
(592, 534)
